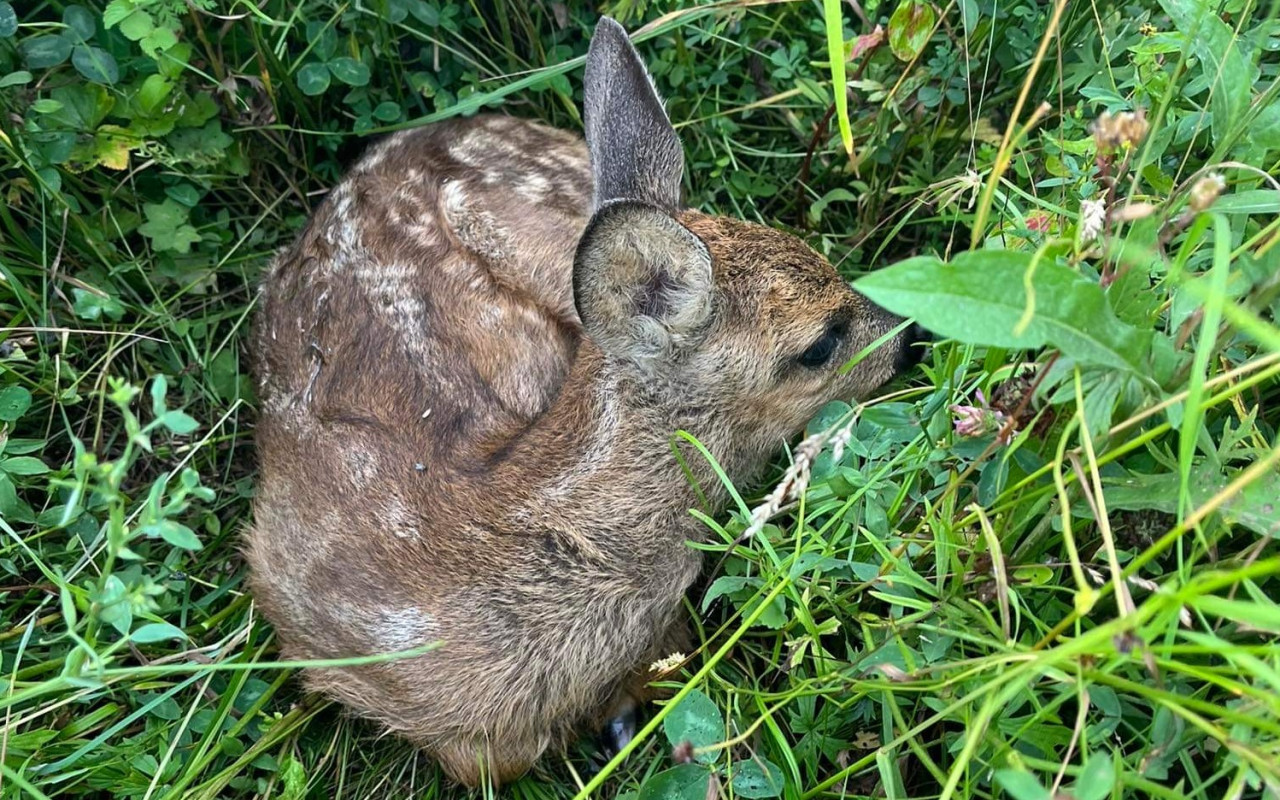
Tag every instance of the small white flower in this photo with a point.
(667, 664)
(1093, 213)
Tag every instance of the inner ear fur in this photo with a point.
(642, 282)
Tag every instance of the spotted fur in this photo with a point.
(472, 362)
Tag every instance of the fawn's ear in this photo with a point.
(642, 282)
(635, 154)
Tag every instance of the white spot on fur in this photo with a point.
(534, 187)
(343, 230)
(361, 463)
(400, 520)
(476, 228)
(405, 628)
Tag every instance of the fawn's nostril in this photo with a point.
(914, 345)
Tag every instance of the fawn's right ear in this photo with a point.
(641, 281)
(635, 153)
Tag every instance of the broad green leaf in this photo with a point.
(8, 20)
(1022, 785)
(95, 64)
(910, 27)
(167, 227)
(159, 39)
(174, 533)
(19, 78)
(84, 106)
(113, 605)
(137, 26)
(387, 111)
(159, 388)
(9, 502)
(1222, 59)
(350, 71)
(153, 92)
(725, 584)
(43, 52)
(23, 465)
(980, 299)
(312, 79)
(695, 719)
(179, 422)
(754, 778)
(1265, 130)
(1097, 778)
(81, 23)
(685, 782)
(94, 305)
(157, 632)
(116, 11)
(1255, 506)
(14, 402)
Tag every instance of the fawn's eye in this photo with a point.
(820, 352)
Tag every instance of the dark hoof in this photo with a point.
(617, 733)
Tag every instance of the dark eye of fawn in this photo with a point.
(819, 353)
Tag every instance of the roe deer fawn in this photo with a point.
(471, 365)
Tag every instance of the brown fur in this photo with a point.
(445, 456)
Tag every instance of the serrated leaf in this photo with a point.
(910, 27)
(756, 778)
(312, 79)
(350, 71)
(685, 782)
(93, 305)
(166, 226)
(157, 632)
(95, 64)
(137, 26)
(14, 402)
(23, 465)
(116, 11)
(980, 299)
(696, 720)
(8, 21)
(160, 39)
(43, 52)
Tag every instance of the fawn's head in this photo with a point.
(723, 316)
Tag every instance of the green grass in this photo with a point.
(1084, 606)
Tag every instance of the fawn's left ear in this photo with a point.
(635, 153)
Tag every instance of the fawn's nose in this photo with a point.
(915, 342)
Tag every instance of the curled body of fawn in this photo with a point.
(472, 363)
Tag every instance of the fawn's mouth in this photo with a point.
(915, 343)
